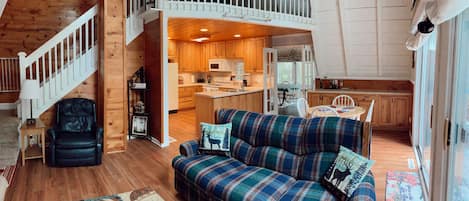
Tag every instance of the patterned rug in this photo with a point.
(144, 194)
(403, 186)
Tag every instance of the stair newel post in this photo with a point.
(24, 107)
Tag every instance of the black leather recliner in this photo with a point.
(75, 139)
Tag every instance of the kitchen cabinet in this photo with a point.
(189, 57)
(172, 50)
(395, 111)
(187, 96)
(254, 54)
(217, 50)
(207, 106)
(204, 56)
(391, 110)
(234, 49)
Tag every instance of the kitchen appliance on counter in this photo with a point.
(173, 83)
(224, 65)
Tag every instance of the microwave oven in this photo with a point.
(220, 65)
(224, 65)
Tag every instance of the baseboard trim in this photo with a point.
(7, 106)
(157, 142)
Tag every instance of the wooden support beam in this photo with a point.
(112, 87)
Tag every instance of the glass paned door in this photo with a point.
(427, 80)
(458, 178)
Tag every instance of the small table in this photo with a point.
(35, 151)
(350, 113)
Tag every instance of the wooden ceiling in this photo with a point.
(218, 30)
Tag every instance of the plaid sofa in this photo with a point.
(272, 158)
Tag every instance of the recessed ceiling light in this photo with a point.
(203, 30)
(169, 38)
(237, 35)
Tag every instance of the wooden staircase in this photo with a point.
(61, 64)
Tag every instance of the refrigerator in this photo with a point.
(173, 92)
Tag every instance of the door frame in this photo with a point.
(442, 109)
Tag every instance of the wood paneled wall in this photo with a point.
(153, 70)
(9, 97)
(112, 79)
(385, 85)
(25, 25)
(87, 89)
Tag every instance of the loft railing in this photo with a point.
(63, 62)
(262, 10)
(9, 75)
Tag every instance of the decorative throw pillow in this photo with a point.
(346, 173)
(215, 139)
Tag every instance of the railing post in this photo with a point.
(22, 106)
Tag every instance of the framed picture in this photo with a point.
(140, 125)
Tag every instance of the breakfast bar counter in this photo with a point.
(207, 103)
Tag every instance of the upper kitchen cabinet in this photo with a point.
(362, 39)
(189, 57)
(253, 54)
(217, 50)
(234, 49)
(172, 50)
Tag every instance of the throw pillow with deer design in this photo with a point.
(346, 173)
(215, 139)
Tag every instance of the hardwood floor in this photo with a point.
(145, 164)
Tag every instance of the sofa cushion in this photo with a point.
(266, 130)
(245, 124)
(314, 166)
(241, 150)
(75, 140)
(276, 159)
(307, 190)
(329, 133)
(229, 179)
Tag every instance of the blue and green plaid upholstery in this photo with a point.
(272, 158)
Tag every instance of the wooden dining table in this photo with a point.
(350, 112)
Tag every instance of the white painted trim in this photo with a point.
(7, 106)
(70, 29)
(3, 4)
(346, 49)
(364, 78)
(379, 35)
(165, 81)
(442, 109)
(157, 142)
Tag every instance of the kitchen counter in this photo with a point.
(360, 91)
(192, 84)
(222, 94)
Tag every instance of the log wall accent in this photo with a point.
(112, 79)
(153, 69)
(25, 25)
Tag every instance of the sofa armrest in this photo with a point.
(99, 134)
(52, 134)
(189, 148)
(365, 191)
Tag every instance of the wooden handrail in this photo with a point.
(367, 132)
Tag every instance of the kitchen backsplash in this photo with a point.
(257, 79)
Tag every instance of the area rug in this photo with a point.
(403, 186)
(144, 194)
(9, 147)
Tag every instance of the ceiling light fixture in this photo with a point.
(200, 39)
(203, 30)
(237, 35)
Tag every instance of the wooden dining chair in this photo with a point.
(343, 100)
(325, 111)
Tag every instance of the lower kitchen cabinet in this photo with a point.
(391, 110)
(186, 96)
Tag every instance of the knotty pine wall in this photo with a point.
(26, 25)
